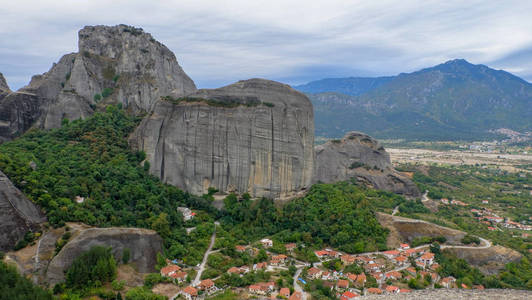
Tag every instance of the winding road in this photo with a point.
(205, 257)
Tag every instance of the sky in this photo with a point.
(219, 42)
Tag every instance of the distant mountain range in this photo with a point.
(451, 101)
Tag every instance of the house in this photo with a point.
(372, 267)
(238, 271)
(189, 293)
(179, 276)
(186, 212)
(404, 247)
(333, 254)
(169, 270)
(411, 252)
(296, 296)
(427, 258)
(391, 253)
(448, 282)
(262, 288)
(378, 276)
(393, 275)
(284, 292)
(392, 289)
(321, 254)
(411, 270)
(240, 248)
(485, 202)
(401, 260)
(314, 273)
(376, 291)
(351, 277)
(290, 247)
(342, 284)
(404, 291)
(348, 295)
(278, 259)
(266, 243)
(260, 266)
(347, 259)
(479, 287)
(208, 286)
(361, 279)
(492, 228)
(326, 275)
(434, 266)
(80, 199)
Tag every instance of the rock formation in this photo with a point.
(118, 64)
(4, 88)
(361, 157)
(489, 261)
(18, 214)
(143, 245)
(253, 136)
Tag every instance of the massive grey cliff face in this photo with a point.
(4, 88)
(143, 245)
(115, 64)
(261, 144)
(361, 157)
(17, 214)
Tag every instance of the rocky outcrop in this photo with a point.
(143, 245)
(490, 260)
(254, 136)
(18, 214)
(115, 64)
(4, 88)
(406, 230)
(361, 157)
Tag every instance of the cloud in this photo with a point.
(218, 42)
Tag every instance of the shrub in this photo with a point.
(125, 255)
(355, 165)
(97, 97)
(107, 92)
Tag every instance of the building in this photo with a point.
(290, 247)
(186, 212)
(392, 289)
(342, 284)
(208, 286)
(448, 282)
(375, 291)
(179, 277)
(393, 275)
(361, 279)
(321, 254)
(240, 248)
(277, 260)
(404, 247)
(189, 293)
(427, 259)
(391, 253)
(169, 270)
(266, 243)
(284, 292)
(260, 266)
(348, 296)
(262, 288)
(314, 273)
(348, 259)
(401, 260)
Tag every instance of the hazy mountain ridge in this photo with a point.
(453, 100)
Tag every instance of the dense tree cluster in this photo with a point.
(339, 215)
(91, 268)
(16, 287)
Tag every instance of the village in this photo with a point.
(347, 276)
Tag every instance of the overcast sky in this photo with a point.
(218, 42)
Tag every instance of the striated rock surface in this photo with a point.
(115, 64)
(361, 157)
(4, 88)
(18, 214)
(143, 244)
(253, 136)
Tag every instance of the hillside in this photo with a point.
(453, 100)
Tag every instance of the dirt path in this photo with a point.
(395, 210)
(205, 257)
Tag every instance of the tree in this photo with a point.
(125, 255)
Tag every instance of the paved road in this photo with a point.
(395, 210)
(297, 287)
(207, 253)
